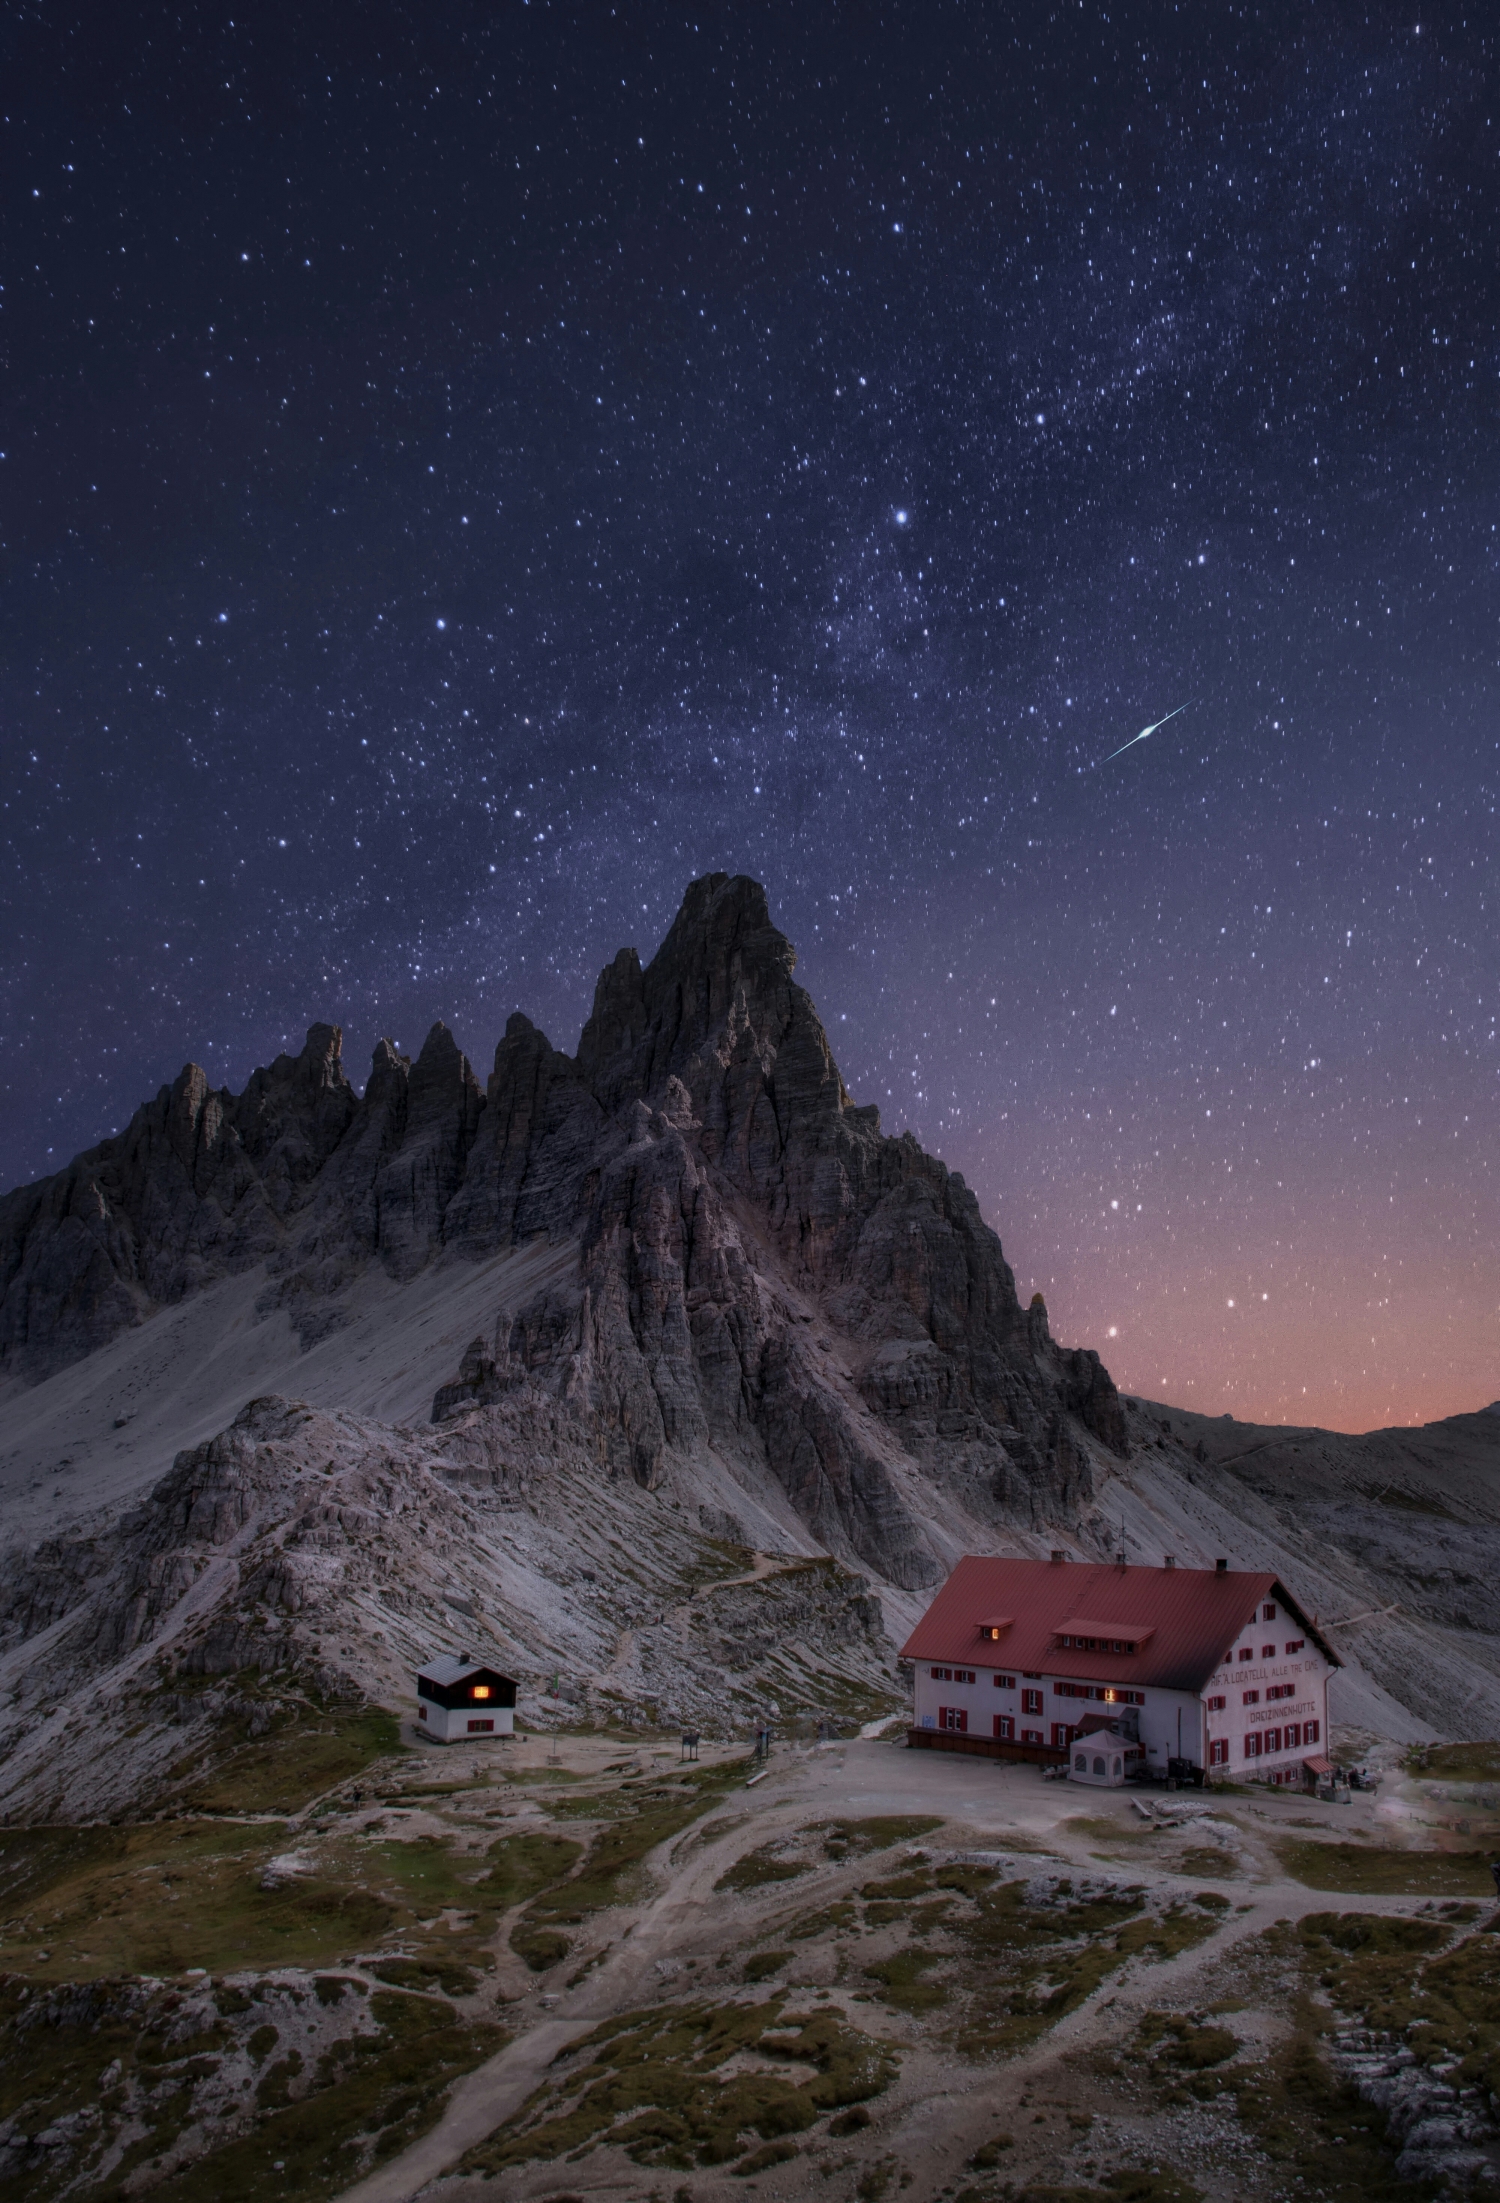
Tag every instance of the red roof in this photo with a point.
(1194, 1616)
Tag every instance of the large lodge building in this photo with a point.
(1207, 1668)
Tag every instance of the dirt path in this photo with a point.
(957, 2108)
(478, 2104)
(485, 2098)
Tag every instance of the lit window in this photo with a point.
(481, 1690)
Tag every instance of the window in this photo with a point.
(1110, 1695)
(1282, 1690)
(1217, 1705)
(1005, 1682)
(1032, 1736)
(1063, 1733)
(1268, 1613)
(1005, 1727)
(1296, 1644)
(951, 1675)
(1100, 1644)
(1252, 1745)
(481, 1690)
(1218, 1751)
(1293, 1735)
(1080, 1763)
(964, 1675)
(1272, 1744)
(1031, 1701)
(1250, 1698)
(421, 1711)
(1311, 1731)
(476, 1725)
(1268, 1652)
(952, 1717)
(1247, 1652)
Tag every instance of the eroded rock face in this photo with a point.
(761, 1274)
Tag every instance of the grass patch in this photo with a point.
(522, 1865)
(651, 2083)
(1207, 1862)
(1370, 1871)
(1322, 2139)
(902, 1983)
(766, 1963)
(1478, 1762)
(828, 1920)
(539, 1947)
(370, 2098)
(1025, 1966)
(757, 1868)
(300, 1756)
(1189, 2045)
(853, 1839)
(1407, 1977)
(160, 1898)
(430, 1874)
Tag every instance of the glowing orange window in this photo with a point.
(481, 1690)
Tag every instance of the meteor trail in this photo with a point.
(1130, 745)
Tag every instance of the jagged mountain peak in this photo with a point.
(723, 967)
(748, 1269)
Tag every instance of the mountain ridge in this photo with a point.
(657, 1371)
(701, 1137)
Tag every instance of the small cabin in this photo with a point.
(461, 1701)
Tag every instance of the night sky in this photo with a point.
(469, 469)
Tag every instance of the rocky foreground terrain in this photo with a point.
(656, 1374)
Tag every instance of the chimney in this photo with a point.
(1058, 1557)
(1169, 1560)
(1221, 1567)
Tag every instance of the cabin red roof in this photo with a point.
(1193, 1616)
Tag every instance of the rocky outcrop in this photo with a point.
(200, 1183)
(761, 1275)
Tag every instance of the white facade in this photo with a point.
(463, 1701)
(1263, 1712)
(1266, 1705)
(1047, 1709)
(474, 1724)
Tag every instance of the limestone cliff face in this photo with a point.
(760, 1273)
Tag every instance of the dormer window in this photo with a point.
(481, 1690)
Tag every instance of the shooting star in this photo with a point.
(1130, 745)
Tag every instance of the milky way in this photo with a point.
(468, 472)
